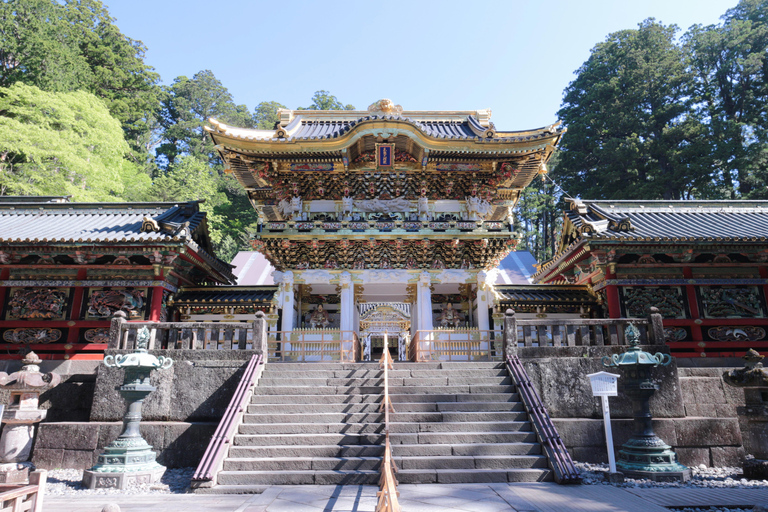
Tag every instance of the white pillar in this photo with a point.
(483, 300)
(424, 302)
(287, 301)
(347, 308)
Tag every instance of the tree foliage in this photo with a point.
(324, 100)
(63, 143)
(265, 115)
(186, 108)
(631, 132)
(74, 45)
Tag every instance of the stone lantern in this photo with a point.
(129, 459)
(644, 455)
(20, 417)
(753, 417)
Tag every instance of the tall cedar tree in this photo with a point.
(731, 69)
(631, 132)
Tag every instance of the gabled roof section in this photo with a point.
(37, 220)
(670, 220)
(658, 221)
(225, 295)
(544, 295)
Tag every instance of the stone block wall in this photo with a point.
(694, 411)
(178, 419)
(77, 445)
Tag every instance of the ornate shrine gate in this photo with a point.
(384, 317)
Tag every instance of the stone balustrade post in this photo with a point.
(510, 333)
(116, 329)
(655, 327)
(259, 337)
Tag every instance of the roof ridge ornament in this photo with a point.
(385, 107)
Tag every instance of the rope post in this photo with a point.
(116, 329)
(510, 333)
(260, 334)
(656, 331)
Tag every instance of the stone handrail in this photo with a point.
(191, 335)
(537, 332)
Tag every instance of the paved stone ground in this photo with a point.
(519, 497)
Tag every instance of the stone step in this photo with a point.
(458, 406)
(236, 452)
(454, 476)
(303, 464)
(448, 398)
(373, 407)
(314, 399)
(345, 439)
(377, 417)
(473, 449)
(315, 417)
(284, 380)
(499, 462)
(311, 428)
(487, 437)
(460, 427)
(376, 390)
(278, 372)
(328, 477)
(356, 408)
(373, 365)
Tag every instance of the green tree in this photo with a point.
(731, 68)
(539, 218)
(74, 45)
(631, 128)
(186, 108)
(265, 115)
(324, 100)
(63, 143)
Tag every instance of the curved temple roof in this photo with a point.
(334, 130)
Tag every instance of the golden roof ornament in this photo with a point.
(385, 107)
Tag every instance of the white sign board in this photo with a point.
(604, 384)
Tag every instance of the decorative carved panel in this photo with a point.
(98, 335)
(639, 299)
(32, 335)
(737, 332)
(105, 302)
(37, 304)
(731, 302)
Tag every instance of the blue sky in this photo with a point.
(514, 57)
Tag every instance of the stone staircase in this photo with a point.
(318, 423)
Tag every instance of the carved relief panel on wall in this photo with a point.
(638, 300)
(731, 302)
(37, 304)
(105, 302)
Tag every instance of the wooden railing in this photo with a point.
(191, 335)
(388, 493)
(456, 345)
(213, 458)
(308, 345)
(24, 498)
(560, 461)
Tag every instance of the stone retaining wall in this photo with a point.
(77, 445)
(694, 411)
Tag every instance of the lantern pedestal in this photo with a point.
(129, 459)
(645, 455)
